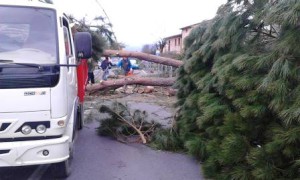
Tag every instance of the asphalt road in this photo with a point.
(101, 158)
(106, 159)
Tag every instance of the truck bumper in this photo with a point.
(25, 153)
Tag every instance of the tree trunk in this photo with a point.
(144, 56)
(114, 84)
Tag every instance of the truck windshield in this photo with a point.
(28, 35)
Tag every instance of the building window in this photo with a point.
(179, 41)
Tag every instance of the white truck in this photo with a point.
(40, 77)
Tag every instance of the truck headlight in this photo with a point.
(41, 129)
(26, 129)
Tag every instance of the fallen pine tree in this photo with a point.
(131, 80)
(144, 56)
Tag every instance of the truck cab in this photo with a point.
(40, 109)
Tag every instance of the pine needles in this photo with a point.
(239, 91)
(124, 126)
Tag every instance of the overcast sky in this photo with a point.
(140, 22)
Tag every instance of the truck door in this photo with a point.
(71, 60)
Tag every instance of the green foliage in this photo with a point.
(102, 35)
(239, 91)
(122, 125)
(166, 139)
(196, 147)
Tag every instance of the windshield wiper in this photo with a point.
(40, 67)
(6, 61)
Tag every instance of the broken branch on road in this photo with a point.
(123, 125)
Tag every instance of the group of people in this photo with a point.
(106, 64)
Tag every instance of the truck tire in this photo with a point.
(62, 169)
(80, 115)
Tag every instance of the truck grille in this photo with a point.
(28, 77)
(21, 82)
(4, 151)
(4, 126)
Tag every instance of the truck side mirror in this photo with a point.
(83, 45)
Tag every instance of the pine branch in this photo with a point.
(133, 126)
(128, 125)
(264, 33)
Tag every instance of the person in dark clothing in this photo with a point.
(91, 68)
(105, 66)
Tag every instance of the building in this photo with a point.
(174, 44)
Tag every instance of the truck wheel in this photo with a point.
(63, 169)
(80, 115)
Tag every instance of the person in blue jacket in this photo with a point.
(125, 65)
